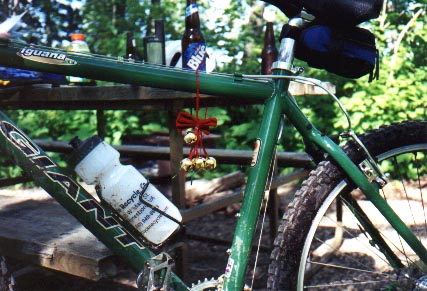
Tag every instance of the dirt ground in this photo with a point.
(206, 242)
(205, 258)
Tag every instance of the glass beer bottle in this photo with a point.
(193, 42)
(131, 51)
(269, 52)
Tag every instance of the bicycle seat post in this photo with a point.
(287, 45)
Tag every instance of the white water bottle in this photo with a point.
(122, 187)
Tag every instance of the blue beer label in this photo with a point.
(192, 8)
(194, 56)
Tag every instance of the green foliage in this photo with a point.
(410, 166)
(50, 124)
(240, 131)
(121, 123)
(237, 33)
(400, 93)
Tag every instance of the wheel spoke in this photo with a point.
(332, 285)
(396, 165)
(420, 188)
(369, 254)
(349, 268)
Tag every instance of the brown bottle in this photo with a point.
(269, 52)
(131, 47)
(193, 42)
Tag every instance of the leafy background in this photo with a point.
(238, 31)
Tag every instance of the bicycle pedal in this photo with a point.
(156, 273)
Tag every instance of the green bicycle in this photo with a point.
(344, 229)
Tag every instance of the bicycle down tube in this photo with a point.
(73, 197)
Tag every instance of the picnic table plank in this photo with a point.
(113, 97)
(36, 229)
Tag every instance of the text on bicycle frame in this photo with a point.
(72, 189)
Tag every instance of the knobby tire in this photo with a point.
(345, 266)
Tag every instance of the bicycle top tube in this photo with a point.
(119, 70)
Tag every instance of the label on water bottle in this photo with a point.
(141, 216)
(192, 8)
(142, 205)
(195, 56)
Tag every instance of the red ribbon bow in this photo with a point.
(201, 126)
(185, 121)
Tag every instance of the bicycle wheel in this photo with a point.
(321, 245)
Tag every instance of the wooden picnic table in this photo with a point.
(48, 235)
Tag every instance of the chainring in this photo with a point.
(208, 285)
(212, 285)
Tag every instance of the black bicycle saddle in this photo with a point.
(335, 12)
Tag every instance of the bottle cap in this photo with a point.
(77, 36)
(82, 148)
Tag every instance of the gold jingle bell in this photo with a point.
(190, 138)
(210, 163)
(186, 165)
(199, 163)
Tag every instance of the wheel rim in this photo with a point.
(307, 266)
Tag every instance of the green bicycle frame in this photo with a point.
(282, 103)
(277, 102)
(72, 196)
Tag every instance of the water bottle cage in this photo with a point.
(154, 207)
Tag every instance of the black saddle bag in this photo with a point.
(333, 12)
(348, 52)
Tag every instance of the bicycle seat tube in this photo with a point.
(264, 150)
